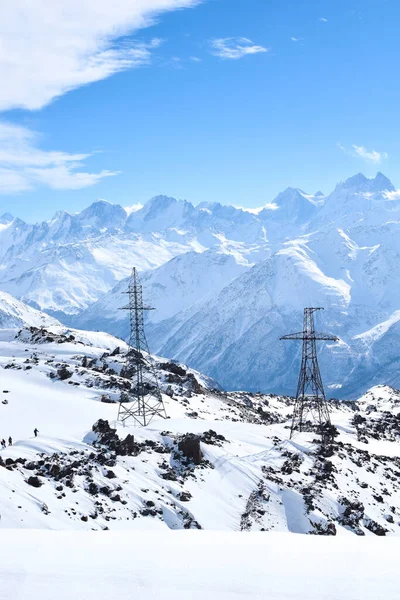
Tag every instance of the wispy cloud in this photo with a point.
(23, 165)
(394, 195)
(234, 48)
(369, 156)
(323, 19)
(49, 48)
(295, 39)
(133, 208)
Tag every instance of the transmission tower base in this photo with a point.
(141, 415)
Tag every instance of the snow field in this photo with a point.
(153, 565)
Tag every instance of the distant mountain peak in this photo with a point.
(6, 218)
(103, 214)
(379, 183)
(382, 183)
(161, 200)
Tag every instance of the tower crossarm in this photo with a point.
(293, 336)
(301, 335)
(141, 308)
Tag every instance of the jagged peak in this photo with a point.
(290, 194)
(6, 218)
(101, 207)
(161, 200)
(383, 183)
(379, 183)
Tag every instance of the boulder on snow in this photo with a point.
(189, 445)
(107, 436)
(34, 481)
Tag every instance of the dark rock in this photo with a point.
(63, 373)
(173, 368)
(185, 496)
(189, 445)
(34, 481)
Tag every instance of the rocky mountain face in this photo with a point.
(220, 461)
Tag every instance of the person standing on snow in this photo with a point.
(3, 444)
(10, 441)
(36, 431)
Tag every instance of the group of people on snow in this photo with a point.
(4, 443)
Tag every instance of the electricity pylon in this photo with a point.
(310, 404)
(143, 401)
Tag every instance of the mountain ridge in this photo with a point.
(240, 274)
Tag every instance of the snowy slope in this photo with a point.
(197, 565)
(14, 313)
(249, 476)
(184, 283)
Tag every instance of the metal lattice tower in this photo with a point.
(310, 404)
(143, 401)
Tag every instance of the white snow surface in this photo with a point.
(153, 565)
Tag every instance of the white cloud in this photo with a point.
(233, 48)
(23, 165)
(256, 211)
(294, 39)
(371, 156)
(133, 208)
(394, 195)
(49, 47)
(323, 20)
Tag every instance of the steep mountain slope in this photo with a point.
(221, 461)
(14, 313)
(184, 283)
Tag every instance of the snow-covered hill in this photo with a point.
(221, 461)
(14, 313)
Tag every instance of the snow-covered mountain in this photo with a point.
(66, 264)
(338, 251)
(227, 282)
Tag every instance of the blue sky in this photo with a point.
(221, 100)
